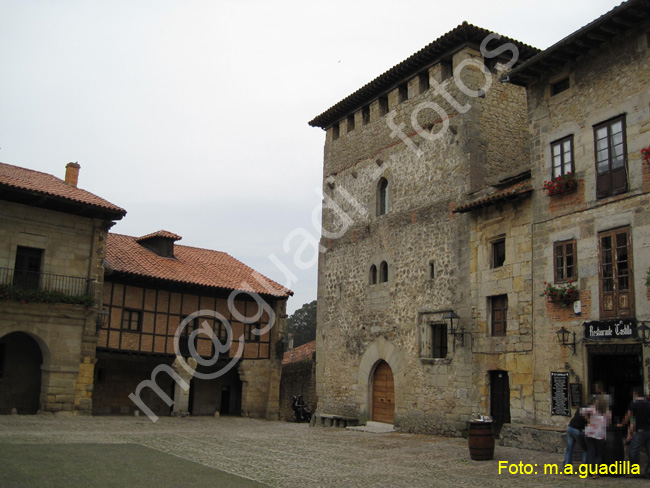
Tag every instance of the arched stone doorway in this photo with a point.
(383, 394)
(20, 372)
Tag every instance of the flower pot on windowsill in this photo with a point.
(568, 297)
(561, 185)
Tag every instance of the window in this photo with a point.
(373, 275)
(249, 334)
(382, 197)
(423, 81)
(27, 269)
(365, 115)
(383, 105)
(432, 270)
(383, 272)
(131, 320)
(402, 92)
(565, 261)
(498, 253)
(499, 314)
(439, 340)
(611, 155)
(350, 122)
(562, 154)
(616, 280)
(560, 86)
(335, 131)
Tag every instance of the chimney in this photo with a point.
(72, 174)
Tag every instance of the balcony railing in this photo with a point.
(46, 287)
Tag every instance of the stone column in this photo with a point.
(182, 396)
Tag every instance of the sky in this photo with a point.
(193, 115)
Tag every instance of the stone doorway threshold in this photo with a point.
(374, 427)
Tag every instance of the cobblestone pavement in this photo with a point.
(283, 454)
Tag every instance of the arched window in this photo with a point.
(382, 197)
(373, 275)
(383, 272)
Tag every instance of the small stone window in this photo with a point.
(402, 92)
(498, 253)
(423, 81)
(382, 197)
(335, 131)
(350, 122)
(131, 320)
(560, 86)
(373, 275)
(365, 115)
(438, 340)
(383, 272)
(432, 270)
(499, 314)
(383, 105)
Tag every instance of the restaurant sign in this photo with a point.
(611, 329)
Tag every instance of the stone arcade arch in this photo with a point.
(380, 351)
(21, 361)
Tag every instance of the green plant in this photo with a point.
(561, 184)
(22, 295)
(563, 291)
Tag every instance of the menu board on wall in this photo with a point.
(576, 394)
(560, 394)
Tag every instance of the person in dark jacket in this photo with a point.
(575, 434)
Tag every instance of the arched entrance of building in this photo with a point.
(20, 371)
(383, 394)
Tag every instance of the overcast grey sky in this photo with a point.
(192, 115)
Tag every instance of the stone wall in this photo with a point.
(605, 83)
(360, 323)
(298, 378)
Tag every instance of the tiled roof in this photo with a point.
(30, 181)
(414, 64)
(160, 233)
(510, 193)
(189, 266)
(589, 37)
(300, 353)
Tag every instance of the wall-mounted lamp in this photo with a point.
(644, 332)
(563, 338)
(451, 316)
(102, 319)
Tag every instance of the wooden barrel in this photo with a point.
(481, 440)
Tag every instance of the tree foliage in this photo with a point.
(302, 324)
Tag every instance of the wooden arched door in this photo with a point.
(383, 394)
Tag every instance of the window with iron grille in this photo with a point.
(611, 157)
(566, 268)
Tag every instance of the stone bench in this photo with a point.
(333, 420)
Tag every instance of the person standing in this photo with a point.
(575, 435)
(596, 432)
(639, 413)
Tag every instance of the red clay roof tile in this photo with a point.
(35, 181)
(190, 266)
(300, 353)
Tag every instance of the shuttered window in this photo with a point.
(616, 280)
(611, 158)
(499, 306)
(565, 261)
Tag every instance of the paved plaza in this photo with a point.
(277, 454)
